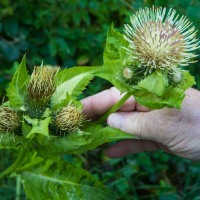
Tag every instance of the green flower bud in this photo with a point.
(42, 85)
(69, 119)
(177, 77)
(127, 73)
(132, 74)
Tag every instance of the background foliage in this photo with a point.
(73, 32)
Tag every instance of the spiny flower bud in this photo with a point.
(69, 118)
(9, 120)
(177, 77)
(42, 85)
(132, 74)
(127, 73)
(160, 40)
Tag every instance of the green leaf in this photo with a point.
(60, 180)
(47, 113)
(115, 59)
(100, 135)
(72, 82)
(38, 126)
(61, 103)
(155, 83)
(187, 80)
(11, 141)
(115, 43)
(112, 72)
(81, 141)
(17, 87)
(118, 83)
(26, 128)
(70, 73)
(171, 97)
(153, 91)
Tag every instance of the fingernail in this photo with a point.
(116, 120)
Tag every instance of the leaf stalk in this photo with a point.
(21, 157)
(114, 108)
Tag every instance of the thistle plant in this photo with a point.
(146, 61)
(46, 119)
(45, 114)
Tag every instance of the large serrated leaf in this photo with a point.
(114, 60)
(79, 142)
(101, 135)
(70, 73)
(71, 82)
(115, 44)
(60, 180)
(17, 87)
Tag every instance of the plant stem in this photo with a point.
(18, 188)
(13, 167)
(115, 107)
(29, 165)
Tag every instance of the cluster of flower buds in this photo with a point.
(40, 89)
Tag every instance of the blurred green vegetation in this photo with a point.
(73, 32)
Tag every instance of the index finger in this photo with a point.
(98, 104)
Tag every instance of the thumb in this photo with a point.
(140, 124)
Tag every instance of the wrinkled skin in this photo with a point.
(173, 131)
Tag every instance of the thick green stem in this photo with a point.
(115, 107)
(29, 165)
(17, 163)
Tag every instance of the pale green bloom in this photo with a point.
(160, 40)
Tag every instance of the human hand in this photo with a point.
(169, 129)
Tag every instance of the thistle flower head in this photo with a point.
(9, 120)
(69, 118)
(42, 85)
(160, 39)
